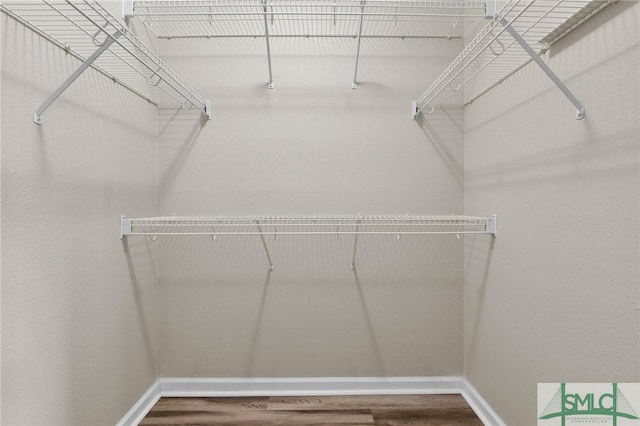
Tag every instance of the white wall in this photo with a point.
(79, 309)
(556, 298)
(311, 145)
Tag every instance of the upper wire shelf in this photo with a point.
(306, 18)
(86, 30)
(307, 225)
(494, 54)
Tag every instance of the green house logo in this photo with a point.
(584, 405)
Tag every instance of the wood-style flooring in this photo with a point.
(378, 410)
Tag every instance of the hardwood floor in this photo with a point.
(377, 410)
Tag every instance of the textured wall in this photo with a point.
(79, 309)
(557, 297)
(311, 145)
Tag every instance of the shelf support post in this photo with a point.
(264, 243)
(355, 247)
(354, 85)
(37, 116)
(556, 80)
(266, 36)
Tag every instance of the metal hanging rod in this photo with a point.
(518, 34)
(300, 13)
(92, 33)
(355, 36)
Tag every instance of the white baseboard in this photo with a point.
(142, 406)
(305, 386)
(482, 409)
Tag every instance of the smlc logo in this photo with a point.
(588, 403)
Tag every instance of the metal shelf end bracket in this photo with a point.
(125, 227)
(414, 110)
(127, 9)
(493, 8)
(207, 110)
(492, 226)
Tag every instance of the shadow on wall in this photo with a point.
(194, 121)
(398, 313)
(444, 128)
(592, 160)
(140, 257)
(523, 89)
(363, 306)
(477, 265)
(598, 20)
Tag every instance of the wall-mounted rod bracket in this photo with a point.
(492, 226)
(414, 110)
(492, 8)
(538, 60)
(125, 227)
(127, 9)
(207, 110)
(266, 37)
(354, 85)
(37, 116)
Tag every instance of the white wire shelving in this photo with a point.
(87, 31)
(358, 19)
(306, 18)
(519, 33)
(336, 226)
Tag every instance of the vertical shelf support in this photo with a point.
(264, 243)
(556, 80)
(37, 116)
(355, 247)
(266, 36)
(354, 85)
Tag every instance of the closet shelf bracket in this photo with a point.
(354, 85)
(547, 70)
(264, 244)
(88, 32)
(266, 37)
(125, 227)
(517, 33)
(492, 226)
(37, 116)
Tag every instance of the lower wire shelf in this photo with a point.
(268, 225)
(307, 225)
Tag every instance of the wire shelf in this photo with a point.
(494, 55)
(82, 26)
(307, 18)
(307, 225)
